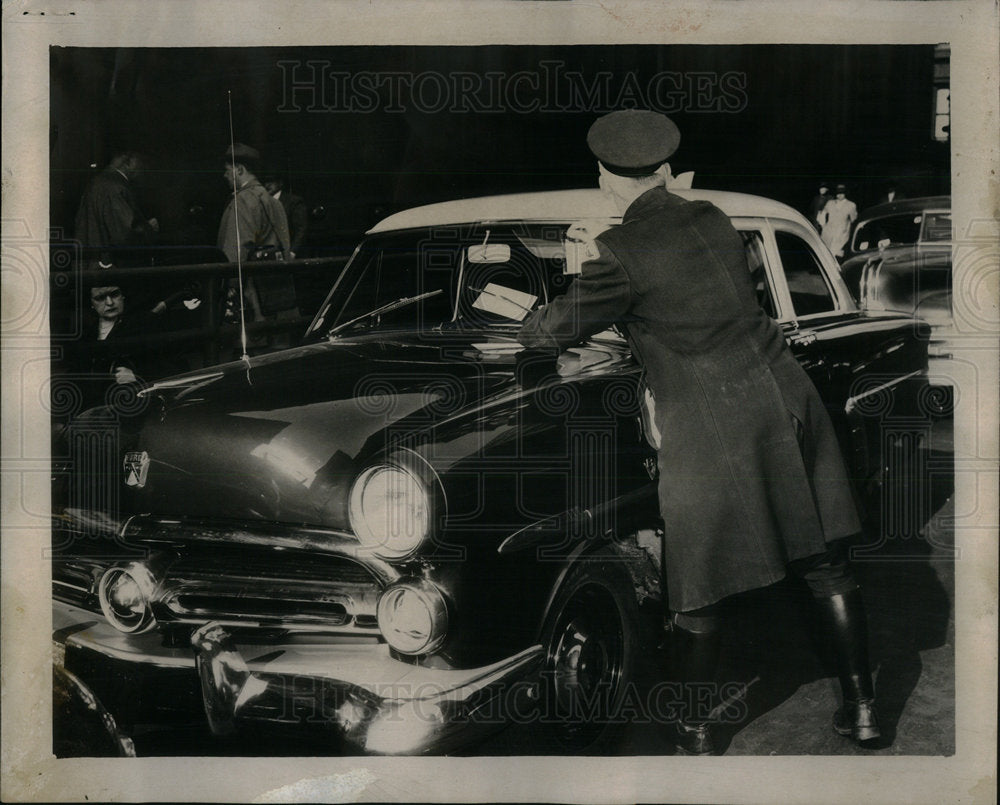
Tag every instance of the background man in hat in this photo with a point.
(818, 203)
(259, 216)
(891, 193)
(752, 482)
(254, 227)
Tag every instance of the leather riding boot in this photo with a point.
(847, 629)
(696, 657)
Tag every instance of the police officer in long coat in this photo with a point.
(752, 482)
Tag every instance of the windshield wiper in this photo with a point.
(403, 302)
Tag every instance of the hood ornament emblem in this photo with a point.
(136, 467)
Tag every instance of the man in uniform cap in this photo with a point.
(751, 480)
(633, 142)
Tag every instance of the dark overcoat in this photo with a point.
(751, 475)
(109, 214)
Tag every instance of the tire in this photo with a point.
(590, 638)
(81, 726)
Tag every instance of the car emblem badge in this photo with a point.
(136, 468)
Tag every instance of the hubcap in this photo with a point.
(586, 660)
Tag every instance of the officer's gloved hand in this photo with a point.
(533, 366)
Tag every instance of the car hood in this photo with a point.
(283, 436)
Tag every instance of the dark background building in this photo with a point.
(362, 131)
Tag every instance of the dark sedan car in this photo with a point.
(406, 531)
(901, 259)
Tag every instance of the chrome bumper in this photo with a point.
(379, 704)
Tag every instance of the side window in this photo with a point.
(753, 242)
(937, 226)
(804, 275)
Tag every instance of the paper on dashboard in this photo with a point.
(505, 301)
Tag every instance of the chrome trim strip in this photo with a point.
(107, 641)
(853, 401)
(494, 673)
(299, 628)
(145, 528)
(373, 669)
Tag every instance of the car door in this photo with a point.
(811, 300)
(866, 368)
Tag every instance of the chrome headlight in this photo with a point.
(125, 594)
(390, 511)
(413, 617)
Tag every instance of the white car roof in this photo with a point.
(567, 205)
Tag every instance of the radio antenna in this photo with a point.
(239, 243)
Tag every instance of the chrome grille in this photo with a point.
(258, 575)
(276, 567)
(332, 613)
(74, 581)
(291, 591)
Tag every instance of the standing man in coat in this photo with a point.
(254, 227)
(254, 220)
(752, 483)
(109, 214)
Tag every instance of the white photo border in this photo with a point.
(30, 773)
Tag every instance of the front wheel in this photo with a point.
(590, 637)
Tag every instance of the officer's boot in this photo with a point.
(696, 657)
(847, 629)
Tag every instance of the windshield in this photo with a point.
(468, 276)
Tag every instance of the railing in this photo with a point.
(201, 333)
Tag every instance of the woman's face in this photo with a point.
(108, 302)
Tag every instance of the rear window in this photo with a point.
(893, 230)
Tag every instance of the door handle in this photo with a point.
(798, 337)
